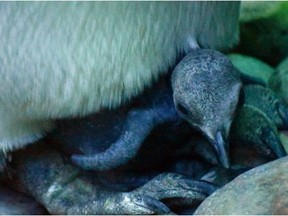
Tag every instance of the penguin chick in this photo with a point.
(66, 59)
(269, 103)
(253, 129)
(205, 91)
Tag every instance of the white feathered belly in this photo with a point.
(62, 59)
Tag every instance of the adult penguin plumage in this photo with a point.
(66, 59)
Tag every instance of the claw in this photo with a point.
(221, 176)
(176, 190)
(203, 187)
(150, 205)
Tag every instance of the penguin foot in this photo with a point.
(65, 189)
(160, 195)
(120, 204)
(177, 191)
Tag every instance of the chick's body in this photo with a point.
(65, 59)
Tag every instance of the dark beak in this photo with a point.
(221, 148)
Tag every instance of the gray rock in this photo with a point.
(262, 190)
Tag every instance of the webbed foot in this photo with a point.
(269, 103)
(120, 204)
(65, 189)
(253, 129)
(177, 191)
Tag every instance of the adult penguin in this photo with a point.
(66, 59)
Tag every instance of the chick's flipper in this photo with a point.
(138, 125)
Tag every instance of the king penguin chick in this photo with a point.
(66, 59)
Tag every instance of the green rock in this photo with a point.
(279, 80)
(252, 66)
(251, 10)
(262, 190)
(265, 36)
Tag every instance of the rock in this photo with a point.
(269, 103)
(252, 66)
(264, 30)
(279, 80)
(251, 10)
(262, 190)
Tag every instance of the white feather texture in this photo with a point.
(63, 59)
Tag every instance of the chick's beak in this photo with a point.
(220, 146)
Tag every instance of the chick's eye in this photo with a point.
(182, 109)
